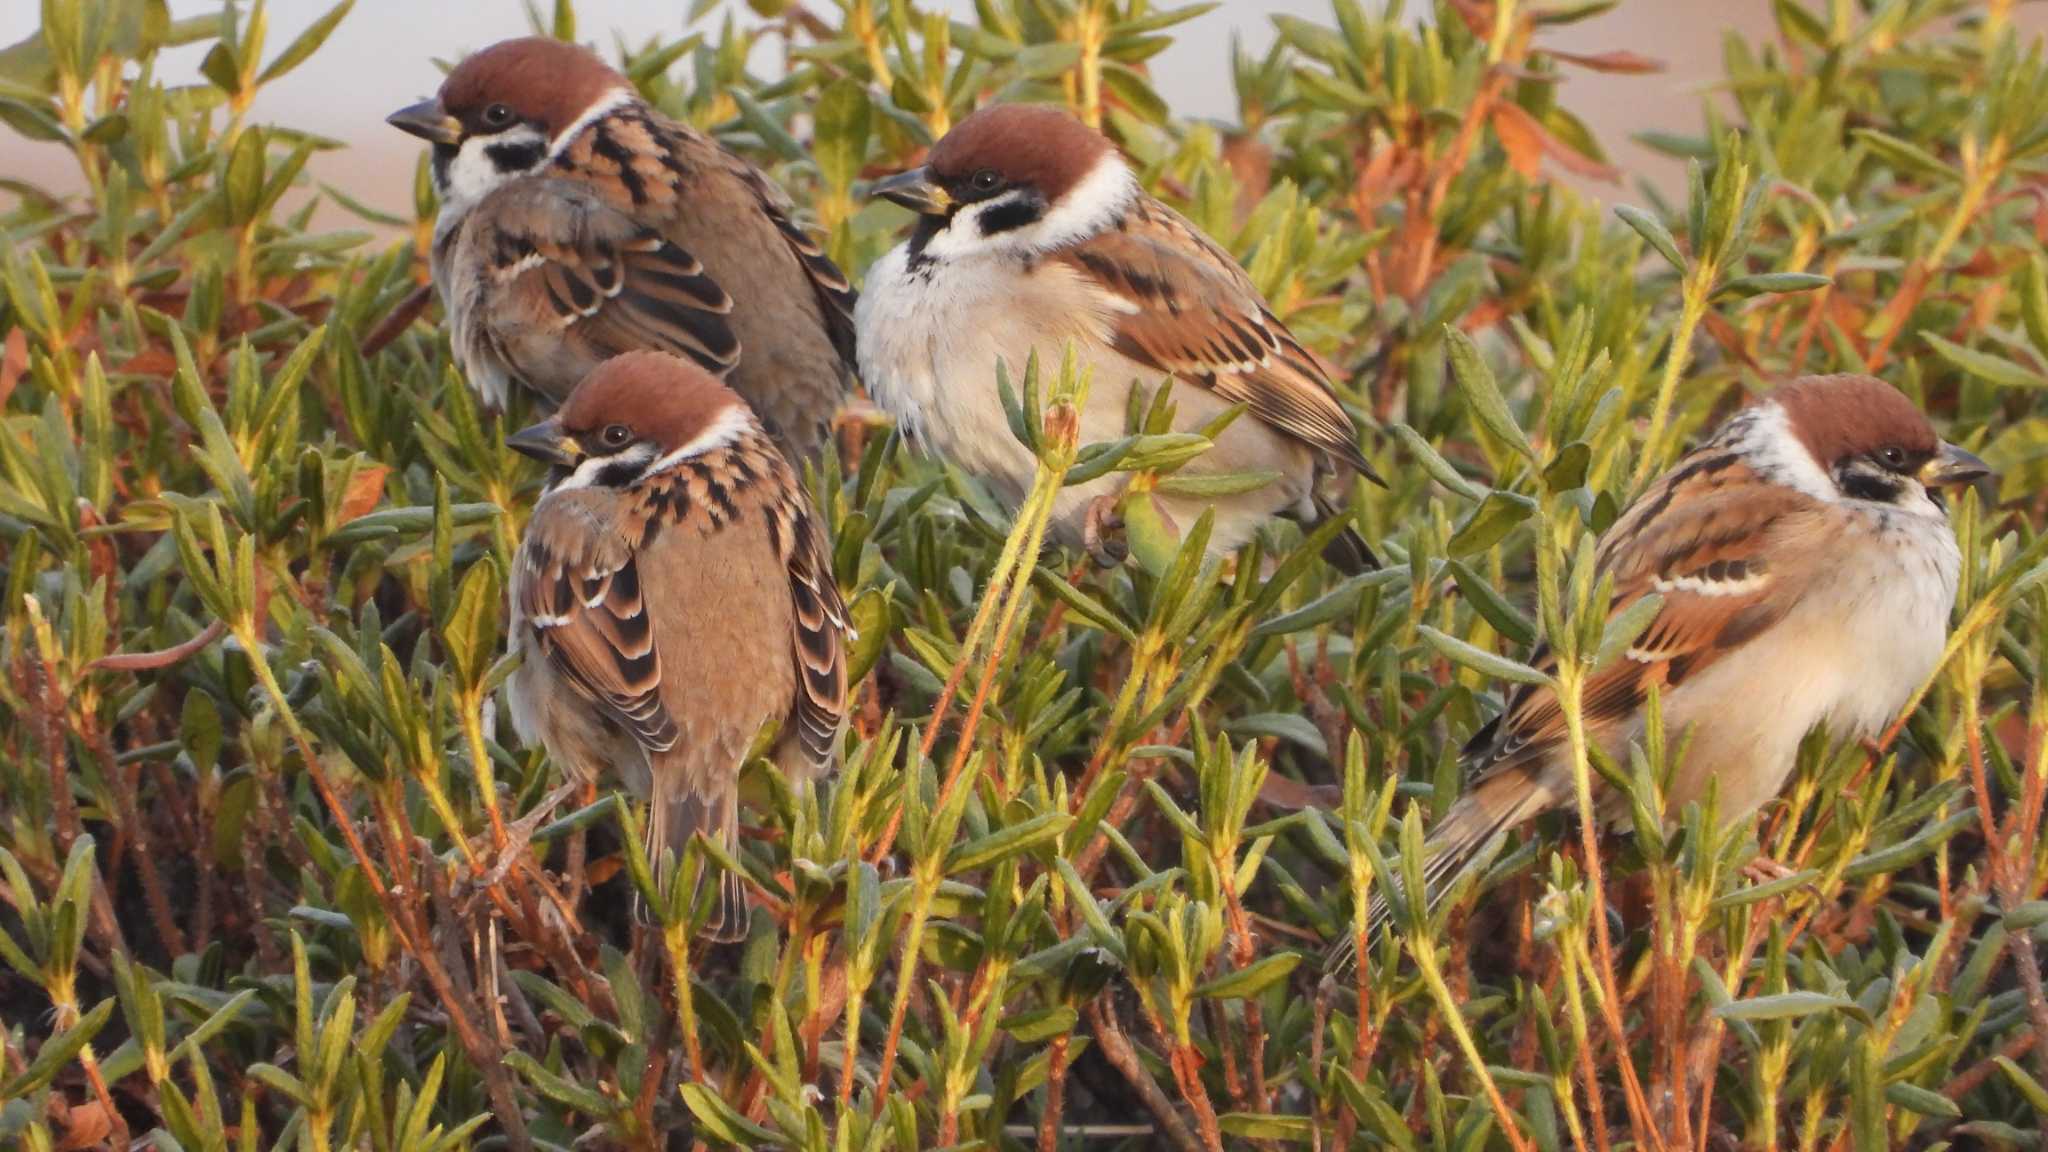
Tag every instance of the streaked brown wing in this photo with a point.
(818, 639)
(579, 591)
(836, 297)
(568, 263)
(1698, 539)
(1188, 311)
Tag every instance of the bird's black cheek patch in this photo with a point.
(1866, 486)
(516, 155)
(1010, 216)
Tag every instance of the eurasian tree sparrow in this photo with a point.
(1807, 572)
(673, 595)
(578, 223)
(1032, 232)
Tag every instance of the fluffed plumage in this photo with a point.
(1033, 233)
(1806, 571)
(578, 223)
(673, 595)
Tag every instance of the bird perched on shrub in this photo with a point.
(578, 223)
(1032, 232)
(672, 596)
(1806, 570)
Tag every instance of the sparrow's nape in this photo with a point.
(428, 121)
(914, 190)
(546, 443)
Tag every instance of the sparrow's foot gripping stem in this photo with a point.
(1102, 531)
(1764, 870)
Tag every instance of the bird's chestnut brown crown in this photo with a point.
(645, 398)
(533, 80)
(1032, 146)
(1847, 417)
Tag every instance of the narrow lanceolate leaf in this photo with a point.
(1905, 154)
(1479, 659)
(1251, 980)
(1764, 283)
(1624, 626)
(1787, 1006)
(57, 1052)
(1482, 393)
(1986, 365)
(1653, 232)
(1022, 837)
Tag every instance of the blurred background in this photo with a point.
(383, 54)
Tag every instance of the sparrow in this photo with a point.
(1032, 232)
(1806, 570)
(673, 596)
(578, 223)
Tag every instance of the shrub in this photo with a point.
(273, 879)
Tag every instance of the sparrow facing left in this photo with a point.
(1807, 570)
(1032, 232)
(672, 596)
(578, 223)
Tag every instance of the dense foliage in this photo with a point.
(273, 879)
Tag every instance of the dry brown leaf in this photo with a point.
(13, 363)
(1620, 61)
(87, 1126)
(365, 489)
(1522, 137)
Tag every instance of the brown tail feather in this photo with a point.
(1468, 834)
(669, 829)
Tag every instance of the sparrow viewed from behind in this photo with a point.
(673, 594)
(1807, 571)
(578, 223)
(1032, 232)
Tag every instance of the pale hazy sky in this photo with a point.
(381, 58)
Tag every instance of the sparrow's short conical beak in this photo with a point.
(428, 121)
(914, 190)
(547, 443)
(1952, 467)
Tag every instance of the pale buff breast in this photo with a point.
(1867, 632)
(930, 338)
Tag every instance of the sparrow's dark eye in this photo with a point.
(986, 180)
(616, 436)
(1893, 457)
(498, 116)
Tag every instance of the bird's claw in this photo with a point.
(1764, 870)
(1102, 532)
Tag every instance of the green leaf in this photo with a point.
(1479, 659)
(1482, 394)
(1786, 1006)
(1267, 1126)
(1290, 726)
(1251, 980)
(1653, 232)
(1496, 516)
(1903, 154)
(1995, 369)
(1772, 282)
(1042, 1024)
(2036, 1095)
(58, 1051)
(840, 139)
(307, 42)
(1020, 837)
(722, 1121)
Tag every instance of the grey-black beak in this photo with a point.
(428, 121)
(914, 190)
(546, 443)
(1952, 467)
